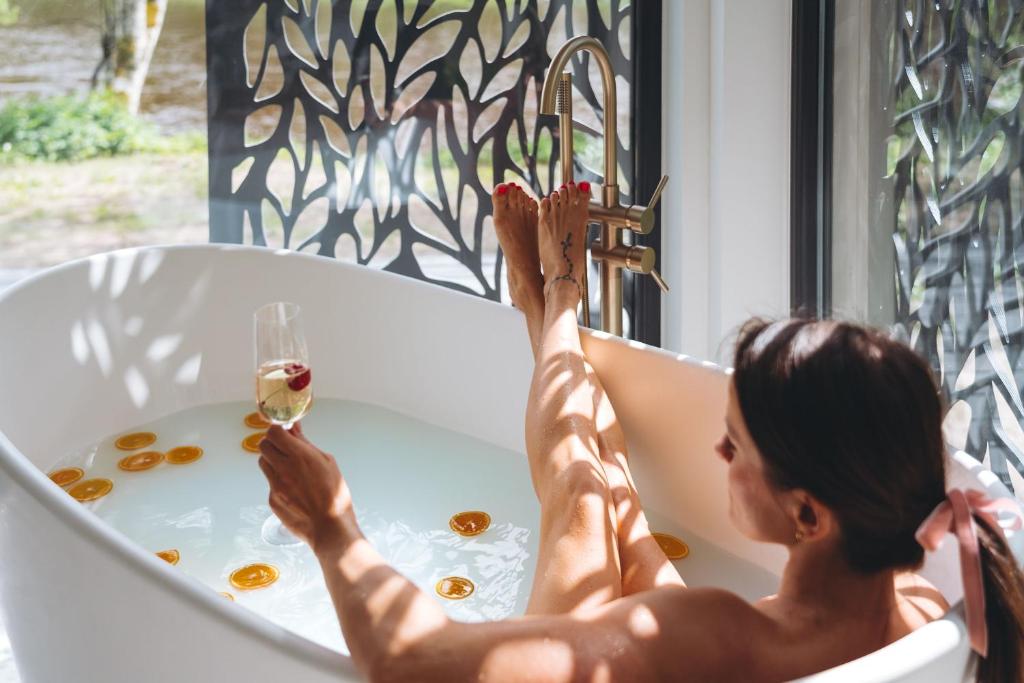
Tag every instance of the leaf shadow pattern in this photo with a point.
(379, 101)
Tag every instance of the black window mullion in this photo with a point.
(645, 136)
(811, 158)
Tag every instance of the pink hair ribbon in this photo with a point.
(953, 515)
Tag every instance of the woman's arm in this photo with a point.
(393, 630)
(396, 632)
(380, 611)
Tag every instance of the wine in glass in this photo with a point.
(284, 392)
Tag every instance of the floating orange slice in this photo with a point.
(140, 461)
(227, 595)
(135, 441)
(183, 455)
(470, 523)
(251, 443)
(256, 421)
(91, 489)
(673, 548)
(169, 556)
(253, 576)
(454, 588)
(67, 475)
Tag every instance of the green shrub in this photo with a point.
(8, 13)
(72, 128)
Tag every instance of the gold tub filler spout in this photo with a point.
(610, 251)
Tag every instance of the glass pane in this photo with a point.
(80, 174)
(929, 204)
(374, 131)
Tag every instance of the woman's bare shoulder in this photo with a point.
(704, 633)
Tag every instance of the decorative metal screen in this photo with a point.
(373, 131)
(955, 163)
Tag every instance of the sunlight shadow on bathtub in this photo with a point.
(140, 340)
(136, 385)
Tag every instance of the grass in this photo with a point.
(54, 212)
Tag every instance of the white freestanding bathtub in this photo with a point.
(83, 603)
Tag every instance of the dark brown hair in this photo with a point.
(855, 419)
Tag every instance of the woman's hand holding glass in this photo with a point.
(307, 490)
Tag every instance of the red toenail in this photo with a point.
(572, 182)
(502, 189)
(585, 186)
(562, 187)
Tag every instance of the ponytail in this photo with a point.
(1004, 608)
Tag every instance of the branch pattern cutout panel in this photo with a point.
(374, 131)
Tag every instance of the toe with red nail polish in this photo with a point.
(502, 189)
(584, 186)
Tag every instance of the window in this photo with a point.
(928, 202)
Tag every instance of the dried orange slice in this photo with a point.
(135, 441)
(66, 476)
(140, 461)
(251, 443)
(455, 588)
(227, 595)
(183, 455)
(91, 489)
(470, 523)
(171, 556)
(256, 421)
(673, 548)
(253, 576)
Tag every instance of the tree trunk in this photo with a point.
(131, 29)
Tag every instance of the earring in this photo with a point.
(799, 536)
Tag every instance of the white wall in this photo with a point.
(725, 216)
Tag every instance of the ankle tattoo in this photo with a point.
(568, 275)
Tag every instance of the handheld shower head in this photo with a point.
(563, 95)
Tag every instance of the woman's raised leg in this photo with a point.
(577, 564)
(560, 569)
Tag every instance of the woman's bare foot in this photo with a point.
(562, 235)
(515, 222)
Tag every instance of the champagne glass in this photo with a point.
(284, 393)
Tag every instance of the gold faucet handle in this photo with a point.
(662, 285)
(647, 215)
(641, 260)
(639, 219)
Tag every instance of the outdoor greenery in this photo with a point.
(73, 128)
(9, 12)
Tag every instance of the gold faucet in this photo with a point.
(611, 252)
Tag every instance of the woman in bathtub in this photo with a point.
(834, 450)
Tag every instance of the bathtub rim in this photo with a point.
(213, 247)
